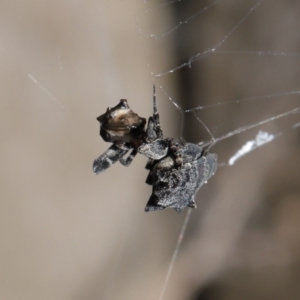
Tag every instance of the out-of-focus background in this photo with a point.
(67, 234)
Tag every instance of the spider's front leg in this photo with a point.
(155, 150)
(126, 162)
(154, 130)
(155, 146)
(108, 158)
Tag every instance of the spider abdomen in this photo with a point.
(176, 187)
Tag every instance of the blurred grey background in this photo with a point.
(67, 234)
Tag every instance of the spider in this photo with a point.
(176, 169)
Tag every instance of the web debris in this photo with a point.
(261, 139)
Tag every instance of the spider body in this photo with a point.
(176, 169)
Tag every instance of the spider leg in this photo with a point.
(149, 164)
(192, 203)
(154, 150)
(109, 157)
(151, 130)
(155, 118)
(126, 162)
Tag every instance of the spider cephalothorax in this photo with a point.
(121, 125)
(125, 129)
(176, 169)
